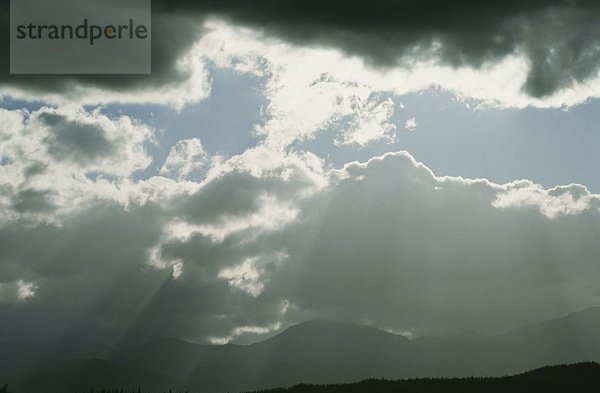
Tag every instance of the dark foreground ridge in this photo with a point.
(580, 377)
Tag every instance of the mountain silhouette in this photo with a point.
(581, 377)
(324, 352)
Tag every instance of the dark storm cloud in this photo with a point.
(558, 37)
(172, 35)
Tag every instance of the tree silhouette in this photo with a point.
(5, 389)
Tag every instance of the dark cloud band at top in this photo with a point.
(559, 38)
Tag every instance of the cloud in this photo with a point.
(55, 161)
(384, 241)
(560, 200)
(370, 124)
(248, 276)
(84, 264)
(546, 50)
(25, 290)
(82, 143)
(87, 276)
(178, 74)
(271, 236)
(314, 91)
(185, 157)
(390, 243)
(88, 140)
(393, 244)
(411, 124)
(558, 38)
(32, 200)
(19, 291)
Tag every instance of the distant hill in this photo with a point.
(571, 339)
(322, 352)
(582, 377)
(83, 375)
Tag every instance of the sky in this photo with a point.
(425, 172)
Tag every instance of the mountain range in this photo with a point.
(317, 352)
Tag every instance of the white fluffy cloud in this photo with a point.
(411, 124)
(56, 161)
(19, 291)
(560, 200)
(248, 276)
(185, 157)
